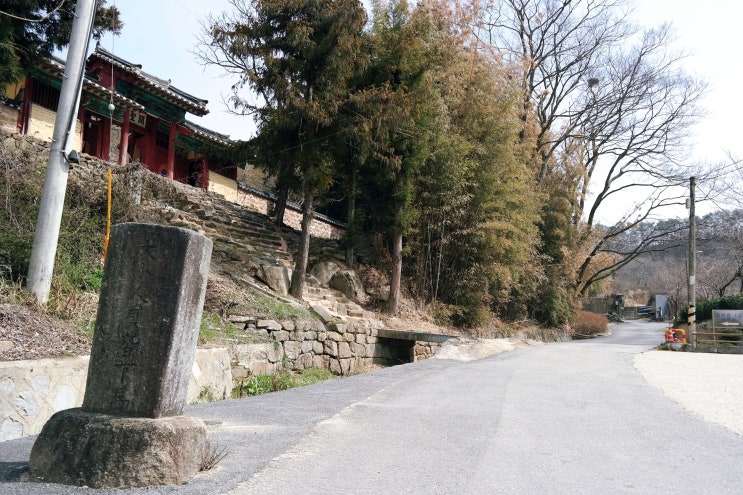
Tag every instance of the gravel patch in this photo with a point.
(708, 385)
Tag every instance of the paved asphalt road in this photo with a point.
(568, 418)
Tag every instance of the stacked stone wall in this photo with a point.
(31, 391)
(264, 203)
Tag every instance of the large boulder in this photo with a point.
(277, 277)
(349, 284)
(324, 271)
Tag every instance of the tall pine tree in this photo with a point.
(298, 56)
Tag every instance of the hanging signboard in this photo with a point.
(139, 118)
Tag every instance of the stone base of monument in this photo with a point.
(102, 451)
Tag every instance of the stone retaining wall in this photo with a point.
(31, 391)
(264, 202)
(342, 347)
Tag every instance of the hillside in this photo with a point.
(246, 247)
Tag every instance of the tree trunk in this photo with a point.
(280, 206)
(351, 239)
(393, 304)
(297, 286)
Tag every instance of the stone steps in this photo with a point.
(239, 235)
(244, 239)
(335, 302)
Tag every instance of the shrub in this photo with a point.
(263, 384)
(731, 335)
(704, 308)
(588, 324)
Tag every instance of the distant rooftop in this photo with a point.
(161, 87)
(56, 66)
(208, 134)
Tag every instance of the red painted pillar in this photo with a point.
(104, 144)
(204, 175)
(124, 141)
(171, 151)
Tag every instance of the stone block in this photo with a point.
(349, 284)
(321, 362)
(317, 347)
(103, 451)
(274, 352)
(307, 346)
(292, 349)
(302, 325)
(211, 371)
(239, 372)
(262, 368)
(281, 335)
(325, 315)
(344, 350)
(324, 271)
(345, 366)
(370, 350)
(331, 348)
(303, 362)
(270, 325)
(358, 350)
(276, 277)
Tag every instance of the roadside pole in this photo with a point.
(692, 317)
(41, 264)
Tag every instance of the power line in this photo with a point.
(41, 19)
(198, 16)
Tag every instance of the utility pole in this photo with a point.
(692, 287)
(41, 264)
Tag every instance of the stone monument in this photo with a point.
(130, 431)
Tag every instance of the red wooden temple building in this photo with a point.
(147, 124)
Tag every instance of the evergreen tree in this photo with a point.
(403, 113)
(33, 29)
(298, 56)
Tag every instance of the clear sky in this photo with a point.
(161, 36)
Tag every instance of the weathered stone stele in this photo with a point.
(129, 431)
(148, 321)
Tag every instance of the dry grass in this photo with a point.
(34, 335)
(589, 324)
